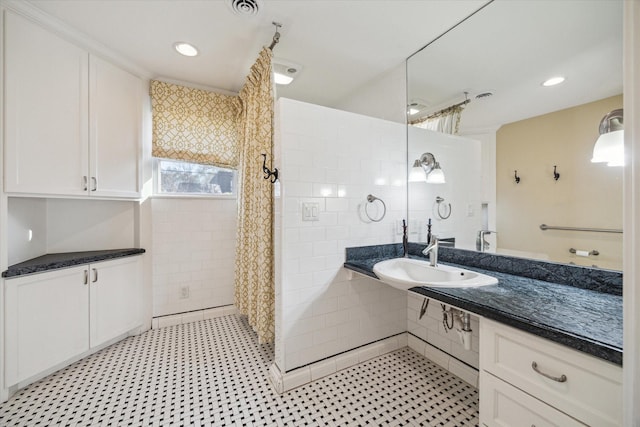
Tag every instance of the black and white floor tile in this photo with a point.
(214, 373)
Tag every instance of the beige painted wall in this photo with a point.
(586, 195)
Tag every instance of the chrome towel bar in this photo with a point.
(597, 230)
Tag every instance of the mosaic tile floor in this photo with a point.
(214, 373)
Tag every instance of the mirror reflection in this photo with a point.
(515, 150)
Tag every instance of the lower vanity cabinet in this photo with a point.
(526, 380)
(115, 299)
(503, 405)
(46, 321)
(53, 317)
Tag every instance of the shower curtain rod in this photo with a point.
(276, 36)
(445, 110)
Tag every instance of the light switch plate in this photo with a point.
(311, 211)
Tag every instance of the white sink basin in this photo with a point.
(405, 273)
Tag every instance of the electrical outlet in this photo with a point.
(184, 292)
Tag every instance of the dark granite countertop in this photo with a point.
(587, 320)
(67, 259)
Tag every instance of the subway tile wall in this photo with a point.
(333, 159)
(193, 247)
(443, 342)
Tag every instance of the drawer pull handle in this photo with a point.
(562, 378)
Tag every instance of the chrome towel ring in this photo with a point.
(370, 200)
(447, 212)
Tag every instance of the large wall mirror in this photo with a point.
(514, 153)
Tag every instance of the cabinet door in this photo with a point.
(115, 298)
(46, 100)
(502, 405)
(46, 319)
(115, 99)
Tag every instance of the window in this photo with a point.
(184, 178)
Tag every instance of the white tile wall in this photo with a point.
(335, 159)
(194, 243)
(428, 336)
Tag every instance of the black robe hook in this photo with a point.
(268, 173)
(556, 175)
(517, 177)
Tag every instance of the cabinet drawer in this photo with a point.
(591, 390)
(502, 405)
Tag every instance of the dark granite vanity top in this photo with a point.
(580, 308)
(67, 259)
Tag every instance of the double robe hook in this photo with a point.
(272, 175)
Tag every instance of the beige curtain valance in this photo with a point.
(194, 125)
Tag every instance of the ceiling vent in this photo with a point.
(245, 7)
(483, 95)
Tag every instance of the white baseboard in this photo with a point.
(192, 316)
(461, 370)
(286, 381)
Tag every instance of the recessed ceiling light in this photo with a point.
(282, 79)
(285, 71)
(553, 81)
(186, 49)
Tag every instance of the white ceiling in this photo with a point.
(342, 44)
(510, 47)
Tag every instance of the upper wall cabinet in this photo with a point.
(115, 120)
(72, 120)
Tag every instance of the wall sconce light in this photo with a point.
(426, 169)
(609, 147)
(416, 174)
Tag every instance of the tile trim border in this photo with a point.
(455, 366)
(192, 316)
(285, 381)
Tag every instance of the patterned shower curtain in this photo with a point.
(444, 121)
(254, 279)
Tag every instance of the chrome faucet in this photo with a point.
(432, 251)
(481, 244)
(405, 240)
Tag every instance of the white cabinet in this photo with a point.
(46, 321)
(579, 385)
(46, 104)
(503, 405)
(73, 120)
(52, 317)
(115, 104)
(115, 298)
